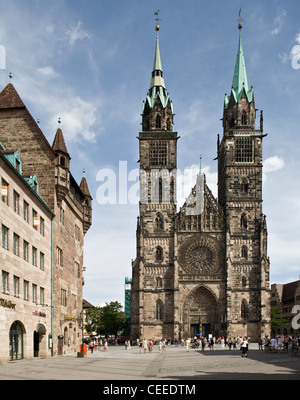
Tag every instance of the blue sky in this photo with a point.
(89, 63)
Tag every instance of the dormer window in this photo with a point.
(62, 161)
(18, 165)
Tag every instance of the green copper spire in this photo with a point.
(240, 81)
(157, 73)
(157, 85)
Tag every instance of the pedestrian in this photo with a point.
(273, 344)
(229, 343)
(160, 345)
(188, 344)
(259, 341)
(234, 343)
(280, 343)
(203, 343)
(91, 346)
(145, 345)
(211, 343)
(105, 348)
(140, 343)
(150, 345)
(128, 345)
(244, 347)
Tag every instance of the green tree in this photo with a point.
(93, 315)
(275, 321)
(112, 318)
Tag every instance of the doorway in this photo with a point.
(39, 341)
(16, 341)
(206, 330)
(195, 331)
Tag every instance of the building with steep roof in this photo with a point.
(49, 167)
(203, 270)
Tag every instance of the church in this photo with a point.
(202, 270)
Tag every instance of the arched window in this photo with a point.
(244, 252)
(159, 224)
(244, 186)
(159, 254)
(159, 307)
(244, 221)
(158, 122)
(159, 282)
(16, 341)
(244, 310)
(244, 281)
(244, 118)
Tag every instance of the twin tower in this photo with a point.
(203, 270)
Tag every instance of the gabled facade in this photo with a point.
(25, 260)
(71, 203)
(203, 270)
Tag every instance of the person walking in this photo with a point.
(145, 345)
(150, 345)
(140, 344)
(160, 346)
(188, 344)
(244, 347)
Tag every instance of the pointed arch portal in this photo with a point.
(200, 313)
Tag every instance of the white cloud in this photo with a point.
(272, 164)
(47, 72)
(77, 33)
(279, 21)
(77, 118)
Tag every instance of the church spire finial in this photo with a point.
(240, 26)
(156, 19)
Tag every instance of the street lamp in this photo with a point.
(81, 325)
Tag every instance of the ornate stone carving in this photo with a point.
(201, 255)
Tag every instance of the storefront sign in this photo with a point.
(39, 314)
(7, 304)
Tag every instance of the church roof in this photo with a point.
(9, 98)
(84, 187)
(59, 142)
(240, 81)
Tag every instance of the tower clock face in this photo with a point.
(201, 256)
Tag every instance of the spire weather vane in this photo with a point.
(157, 19)
(240, 20)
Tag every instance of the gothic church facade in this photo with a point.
(203, 270)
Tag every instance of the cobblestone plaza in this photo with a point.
(172, 364)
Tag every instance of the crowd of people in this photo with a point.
(279, 343)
